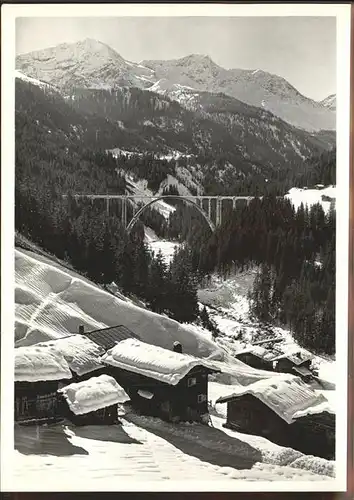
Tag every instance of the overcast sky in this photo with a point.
(301, 49)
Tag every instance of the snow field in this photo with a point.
(311, 197)
(58, 310)
(142, 449)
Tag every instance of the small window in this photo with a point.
(202, 398)
(191, 381)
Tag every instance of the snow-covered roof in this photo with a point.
(93, 394)
(80, 352)
(35, 363)
(286, 395)
(258, 351)
(297, 358)
(153, 361)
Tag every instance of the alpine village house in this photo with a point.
(83, 377)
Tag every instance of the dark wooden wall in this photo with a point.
(286, 366)
(36, 400)
(179, 402)
(254, 361)
(313, 434)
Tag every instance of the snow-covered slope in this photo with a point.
(52, 302)
(87, 63)
(255, 87)
(308, 197)
(156, 245)
(33, 81)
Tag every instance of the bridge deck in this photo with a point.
(146, 197)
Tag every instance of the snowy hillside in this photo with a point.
(91, 64)
(33, 81)
(323, 195)
(52, 302)
(255, 87)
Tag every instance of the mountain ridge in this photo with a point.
(93, 64)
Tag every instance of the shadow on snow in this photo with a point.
(208, 444)
(33, 440)
(112, 433)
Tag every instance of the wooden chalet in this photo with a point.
(162, 383)
(286, 412)
(92, 401)
(257, 357)
(298, 363)
(38, 375)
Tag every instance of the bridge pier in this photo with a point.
(233, 203)
(209, 208)
(124, 212)
(218, 212)
(107, 206)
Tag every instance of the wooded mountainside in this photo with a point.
(295, 251)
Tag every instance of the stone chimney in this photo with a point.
(177, 346)
(81, 329)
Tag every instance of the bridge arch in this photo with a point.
(177, 197)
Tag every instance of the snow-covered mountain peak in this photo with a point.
(196, 60)
(87, 63)
(83, 50)
(92, 64)
(330, 102)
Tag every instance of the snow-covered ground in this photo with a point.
(166, 247)
(227, 304)
(52, 301)
(145, 451)
(310, 197)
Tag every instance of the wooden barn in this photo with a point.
(257, 357)
(92, 401)
(167, 384)
(38, 375)
(285, 411)
(297, 363)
